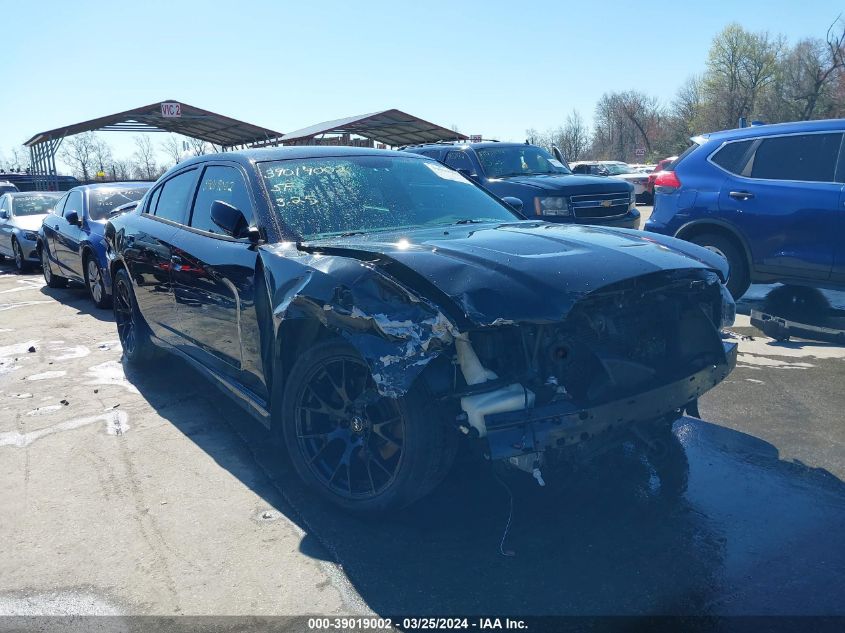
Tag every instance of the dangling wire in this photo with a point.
(502, 550)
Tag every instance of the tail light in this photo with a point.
(667, 181)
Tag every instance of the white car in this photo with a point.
(20, 218)
(615, 169)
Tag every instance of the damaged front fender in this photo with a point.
(395, 331)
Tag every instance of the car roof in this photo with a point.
(769, 129)
(296, 151)
(461, 144)
(127, 184)
(18, 194)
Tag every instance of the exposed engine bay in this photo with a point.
(641, 337)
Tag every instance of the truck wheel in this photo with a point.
(53, 281)
(738, 277)
(359, 450)
(132, 330)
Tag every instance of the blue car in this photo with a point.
(70, 241)
(538, 185)
(768, 198)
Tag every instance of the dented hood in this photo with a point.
(520, 272)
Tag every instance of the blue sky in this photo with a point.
(492, 68)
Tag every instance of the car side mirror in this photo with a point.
(72, 217)
(603, 172)
(229, 218)
(513, 203)
(466, 173)
(4, 215)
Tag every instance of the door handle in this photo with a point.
(741, 195)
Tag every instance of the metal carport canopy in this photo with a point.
(391, 127)
(187, 120)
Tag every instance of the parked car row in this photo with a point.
(616, 169)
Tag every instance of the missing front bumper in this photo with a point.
(533, 430)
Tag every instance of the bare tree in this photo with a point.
(145, 158)
(102, 157)
(625, 121)
(172, 147)
(810, 69)
(198, 147)
(122, 169)
(78, 152)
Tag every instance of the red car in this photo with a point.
(649, 186)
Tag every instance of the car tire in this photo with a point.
(361, 451)
(95, 283)
(738, 277)
(53, 281)
(21, 265)
(648, 198)
(132, 330)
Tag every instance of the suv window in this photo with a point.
(175, 197)
(459, 160)
(733, 157)
(74, 203)
(219, 183)
(806, 157)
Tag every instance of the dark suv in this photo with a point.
(769, 198)
(546, 187)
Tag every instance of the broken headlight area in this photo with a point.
(633, 352)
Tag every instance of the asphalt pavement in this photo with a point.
(150, 493)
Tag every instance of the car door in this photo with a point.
(51, 224)
(214, 280)
(786, 202)
(68, 235)
(148, 252)
(838, 273)
(5, 225)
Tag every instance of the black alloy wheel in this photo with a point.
(358, 449)
(351, 438)
(132, 330)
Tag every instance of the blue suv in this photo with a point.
(769, 198)
(544, 186)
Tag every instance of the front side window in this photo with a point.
(321, 197)
(225, 184)
(524, 160)
(74, 203)
(102, 200)
(459, 160)
(175, 197)
(33, 204)
(806, 157)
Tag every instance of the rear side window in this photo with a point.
(175, 197)
(219, 183)
(733, 157)
(806, 157)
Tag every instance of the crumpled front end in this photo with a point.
(631, 352)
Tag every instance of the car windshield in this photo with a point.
(522, 160)
(324, 197)
(33, 204)
(102, 200)
(615, 169)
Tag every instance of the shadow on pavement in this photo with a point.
(751, 535)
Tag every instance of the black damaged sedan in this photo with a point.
(372, 307)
